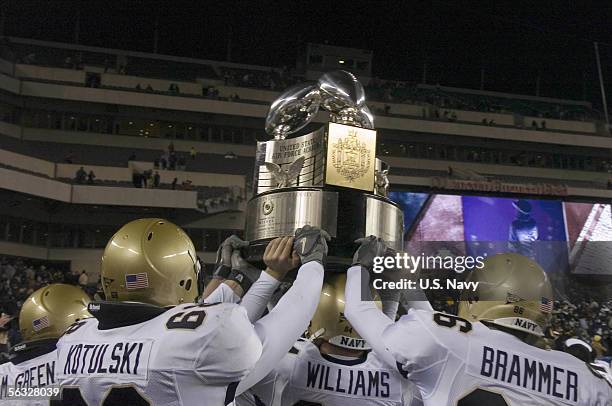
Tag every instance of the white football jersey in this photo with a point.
(307, 377)
(30, 373)
(189, 355)
(455, 362)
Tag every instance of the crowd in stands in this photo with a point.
(447, 99)
(271, 80)
(588, 320)
(279, 79)
(19, 278)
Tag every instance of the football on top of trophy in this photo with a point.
(338, 92)
(293, 110)
(340, 89)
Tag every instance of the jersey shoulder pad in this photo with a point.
(232, 349)
(600, 372)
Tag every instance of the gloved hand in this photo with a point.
(369, 248)
(243, 272)
(280, 257)
(223, 266)
(310, 244)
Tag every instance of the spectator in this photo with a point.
(171, 147)
(90, 177)
(69, 158)
(534, 125)
(193, 153)
(174, 181)
(149, 88)
(163, 162)
(138, 87)
(599, 349)
(83, 279)
(81, 175)
(172, 162)
(182, 165)
(156, 179)
(543, 125)
(132, 157)
(136, 179)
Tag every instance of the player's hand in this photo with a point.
(223, 265)
(4, 319)
(370, 247)
(310, 244)
(280, 257)
(241, 266)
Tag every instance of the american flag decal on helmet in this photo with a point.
(546, 305)
(41, 323)
(136, 281)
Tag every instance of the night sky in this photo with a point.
(515, 41)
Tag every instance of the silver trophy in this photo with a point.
(292, 111)
(329, 178)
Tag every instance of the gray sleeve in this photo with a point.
(279, 330)
(223, 294)
(364, 316)
(259, 295)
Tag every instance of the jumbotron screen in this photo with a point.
(561, 236)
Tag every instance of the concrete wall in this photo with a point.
(120, 196)
(28, 163)
(160, 85)
(48, 90)
(124, 141)
(490, 169)
(52, 74)
(564, 125)
(34, 185)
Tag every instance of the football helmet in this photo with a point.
(151, 261)
(49, 311)
(329, 322)
(513, 292)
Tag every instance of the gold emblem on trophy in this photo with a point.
(350, 157)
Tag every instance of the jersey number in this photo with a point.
(450, 321)
(118, 396)
(481, 397)
(190, 320)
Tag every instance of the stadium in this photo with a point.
(98, 132)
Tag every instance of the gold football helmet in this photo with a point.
(513, 292)
(49, 311)
(329, 322)
(150, 261)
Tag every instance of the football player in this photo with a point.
(43, 318)
(334, 367)
(483, 356)
(150, 344)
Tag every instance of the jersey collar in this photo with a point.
(31, 349)
(120, 314)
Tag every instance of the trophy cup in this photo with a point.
(328, 178)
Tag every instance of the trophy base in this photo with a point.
(345, 214)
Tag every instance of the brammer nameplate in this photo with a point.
(276, 214)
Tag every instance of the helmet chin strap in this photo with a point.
(350, 343)
(316, 334)
(520, 324)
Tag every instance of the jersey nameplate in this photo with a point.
(523, 372)
(313, 375)
(128, 359)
